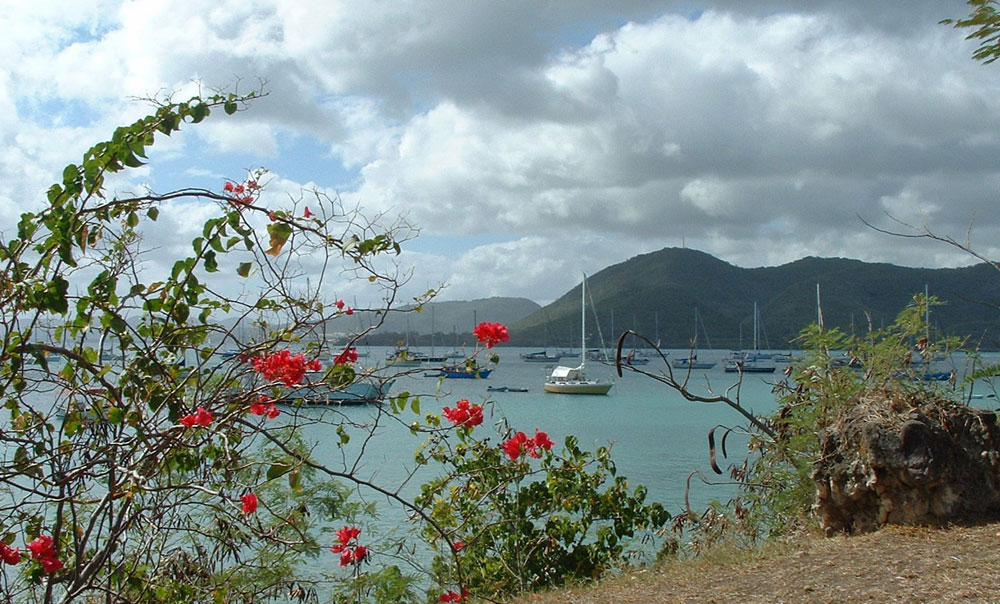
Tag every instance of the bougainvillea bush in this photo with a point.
(150, 450)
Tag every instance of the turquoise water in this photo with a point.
(657, 437)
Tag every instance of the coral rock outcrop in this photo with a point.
(892, 460)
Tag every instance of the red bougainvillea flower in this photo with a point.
(348, 356)
(249, 503)
(514, 446)
(202, 417)
(350, 552)
(51, 565)
(307, 213)
(451, 596)
(43, 549)
(284, 366)
(348, 533)
(347, 310)
(542, 440)
(491, 334)
(464, 414)
(360, 553)
(458, 545)
(265, 406)
(9, 555)
(520, 444)
(272, 216)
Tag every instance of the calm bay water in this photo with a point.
(657, 437)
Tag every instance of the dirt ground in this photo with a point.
(896, 564)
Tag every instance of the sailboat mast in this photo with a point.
(819, 309)
(583, 321)
(927, 315)
(755, 326)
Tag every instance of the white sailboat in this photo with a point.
(743, 362)
(573, 380)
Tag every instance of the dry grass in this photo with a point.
(896, 564)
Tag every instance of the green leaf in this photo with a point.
(116, 415)
(199, 112)
(243, 270)
(132, 161)
(70, 173)
(278, 470)
(230, 107)
(211, 264)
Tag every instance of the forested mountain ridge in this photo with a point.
(657, 293)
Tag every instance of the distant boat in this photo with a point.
(470, 371)
(403, 357)
(745, 362)
(782, 357)
(635, 358)
(358, 393)
(938, 376)
(691, 361)
(573, 380)
(540, 356)
(505, 389)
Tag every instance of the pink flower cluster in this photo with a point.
(491, 334)
(347, 546)
(521, 444)
(240, 195)
(43, 549)
(9, 555)
(285, 366)
(202, 417)
(265, 406)
(464, 414)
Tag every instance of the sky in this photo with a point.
(530, 141)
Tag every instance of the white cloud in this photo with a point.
(758, 131)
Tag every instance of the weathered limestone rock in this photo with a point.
(895, 461)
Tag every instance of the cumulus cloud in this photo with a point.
(543, 139)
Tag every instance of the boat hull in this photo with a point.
(578, 387)
(732, 368)
(683, 364)
(462, 374)
(360, 393)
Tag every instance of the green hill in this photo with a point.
(656, 294)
